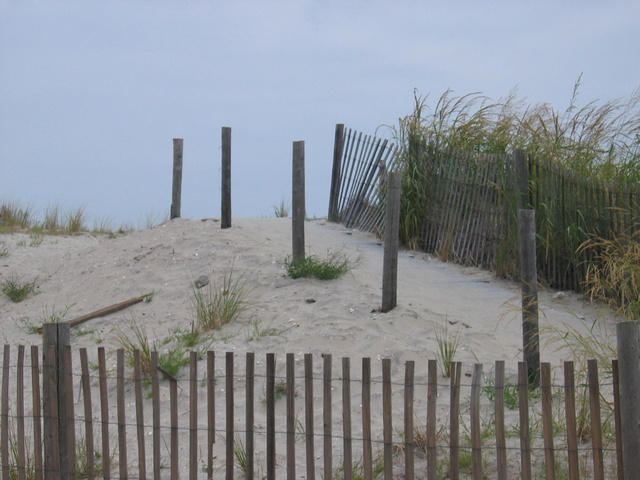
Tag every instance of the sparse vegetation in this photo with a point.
(448, 343)
(221, 301)
(282, 209)
(17, 291)
(334, 266)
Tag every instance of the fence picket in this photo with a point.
(346, 419)
(523, 406)
(88, 412)
(476, 436)
(291, 416)
(309, 412)
(570, 417)
(104, 414)
(4, 414)
(20, 414)
(596, 425)
(137, 385)
(249, 414)
(409, 444)
(454, 422)
(432, 395)
(37, 413)
(387, 425)
(547, 421)
(327, 417)
(367, 450)
(193, 416)
(229, 438)
(122, 420)
(501, 444)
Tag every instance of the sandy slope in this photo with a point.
(79, 274)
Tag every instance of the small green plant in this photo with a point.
(255, 330)
(4, 250)
(334, 266)
(281, 210)
(36, 239)
(448, 343)
(16, 290)
(220, 302)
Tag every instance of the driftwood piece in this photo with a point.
(107, 310)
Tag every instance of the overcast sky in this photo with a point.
(92, 93)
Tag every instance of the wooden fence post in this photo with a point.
(336, 180)
(529, 282)
(56, 336)
(629, 381)
(177, 178)
(298, 201)
(391, 244)
(225, 220)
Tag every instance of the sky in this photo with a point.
(92, 94)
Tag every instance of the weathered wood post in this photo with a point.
(628, 334)
(298, 201)
(529, 285)
(225, 220)
(176, 195)
(391, 243)
(334, 195)
(55, 338)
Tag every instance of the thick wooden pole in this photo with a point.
(56, 433)
(298, 201)
(629, 380)
(391, 244)
(177, 178)
(338, 147)
(225, 220)
(529, 282)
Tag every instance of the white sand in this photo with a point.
(79, 274)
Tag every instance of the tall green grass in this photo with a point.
(595, 139)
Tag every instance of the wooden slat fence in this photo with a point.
(468, 202)
(248, 417)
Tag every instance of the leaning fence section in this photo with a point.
(304, 417)
(462, 206)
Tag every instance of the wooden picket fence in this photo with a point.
(313, 419)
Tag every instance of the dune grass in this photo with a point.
(220, 302)
(16, 290)
(335, 265)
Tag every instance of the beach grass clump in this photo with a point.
(14, 216)
(614, 278)
(220, 302)
(171, 359)
(282, 209)
(17, 291)
(335, 265)
(448, 342)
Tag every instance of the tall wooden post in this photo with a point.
(338, 147)
(628, 334)
(391, 243)
(176, 194)
(529, 283)
(55, 338)
(298, 201)
(225, 221)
